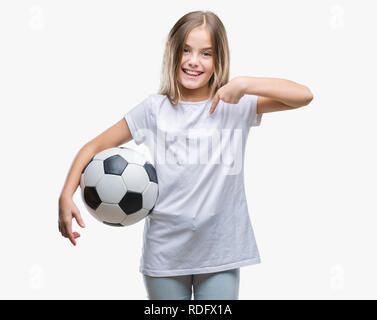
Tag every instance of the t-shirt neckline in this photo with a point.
(194, 102)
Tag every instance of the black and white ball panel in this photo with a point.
(135, 177)
(150, 195)
(93, 173)
(151, 171)
(114, 165)
(111, 188)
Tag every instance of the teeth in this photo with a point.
(192, 73)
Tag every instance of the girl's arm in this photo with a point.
(274, 94)
(285, 91)
(114, 136)
(72, 181)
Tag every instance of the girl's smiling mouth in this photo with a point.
(192, 74)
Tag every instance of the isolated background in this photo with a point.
(71, 69)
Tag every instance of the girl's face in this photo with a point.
(196, 57)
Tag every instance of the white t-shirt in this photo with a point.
(200, 222)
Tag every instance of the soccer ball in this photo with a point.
(119, 186)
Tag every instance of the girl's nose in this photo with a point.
(193, 60)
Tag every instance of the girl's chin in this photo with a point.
(191, 82)
(189, 85)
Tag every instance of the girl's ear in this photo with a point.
(167, 44)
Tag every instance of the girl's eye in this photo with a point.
(204, 52)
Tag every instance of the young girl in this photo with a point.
(199, 233)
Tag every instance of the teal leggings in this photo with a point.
(222, 285)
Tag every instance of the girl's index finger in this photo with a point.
(215, 102)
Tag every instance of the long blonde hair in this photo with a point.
(174, 50)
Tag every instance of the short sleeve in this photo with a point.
(140, 120)
(254, 118)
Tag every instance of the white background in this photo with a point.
(71, 69)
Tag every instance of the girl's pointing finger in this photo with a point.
(215, 102)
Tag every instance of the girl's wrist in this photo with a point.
(242, 82)
(64, 197)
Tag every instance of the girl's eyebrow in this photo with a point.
(201, 49)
